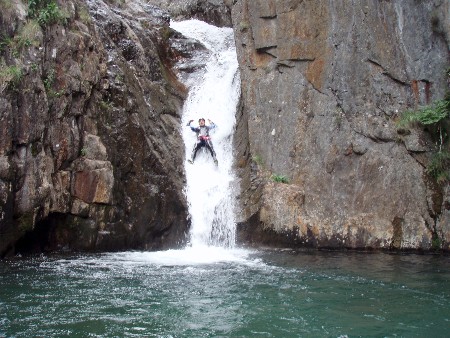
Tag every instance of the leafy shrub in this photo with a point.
(435, 118)
(44, 11)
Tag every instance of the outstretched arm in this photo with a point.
(211, 124)
(192, 128)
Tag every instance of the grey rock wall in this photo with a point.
(323, 85)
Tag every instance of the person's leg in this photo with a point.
(211, 150)
(197, 146)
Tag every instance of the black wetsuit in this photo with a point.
(203, 140)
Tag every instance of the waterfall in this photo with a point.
(214, 91)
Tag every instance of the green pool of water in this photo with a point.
(237, 293)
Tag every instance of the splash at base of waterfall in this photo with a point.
(213, 94)
(191, 256)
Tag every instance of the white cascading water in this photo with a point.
(213, 94)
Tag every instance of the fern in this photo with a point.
(434, 113)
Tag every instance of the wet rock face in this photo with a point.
(214, 12)
(323, 84)
(90, 149)
(90, 155)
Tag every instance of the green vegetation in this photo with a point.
(27, 36)
(53, 93)
(10, 76)
(279, 178)
(49, 79)
(244, 25)
(5, 43)
(435, 118)
(83, 152)
(46, 12)
(105, 105)
(434, 113)
(118, 79)
(258, 160)
(439, 167)
(83, 14)
(436, 242)
(338, 116)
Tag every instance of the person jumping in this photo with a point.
(203, 138)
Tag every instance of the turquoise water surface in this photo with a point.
(226, 293)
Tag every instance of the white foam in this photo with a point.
(191, 256)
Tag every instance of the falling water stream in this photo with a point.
(212, 288)
(213, 95)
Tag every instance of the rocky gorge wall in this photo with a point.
(90, 155)
(323, 86)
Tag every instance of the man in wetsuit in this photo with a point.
(203, 138)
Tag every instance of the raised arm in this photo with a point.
(192, 128)
(211, 124)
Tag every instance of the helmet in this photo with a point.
(201, 119)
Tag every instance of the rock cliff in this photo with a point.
(323, 86)
(90, 155)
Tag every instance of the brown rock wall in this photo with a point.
(89, 117)
(95, 183)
